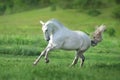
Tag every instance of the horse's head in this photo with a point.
(97, 35)
(50, 27)
(46, 30)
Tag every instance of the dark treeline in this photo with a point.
(12, 6)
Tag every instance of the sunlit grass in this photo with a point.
(20, 67)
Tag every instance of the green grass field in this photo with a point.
(21, 41)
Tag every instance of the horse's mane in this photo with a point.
(56, 23)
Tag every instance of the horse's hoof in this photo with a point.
(46, 61)
(34, 64)
(71, 66)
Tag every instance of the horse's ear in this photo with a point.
(41, 22)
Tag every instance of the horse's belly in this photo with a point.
(67, 47)
(71, 44)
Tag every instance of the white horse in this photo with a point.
(60, 37)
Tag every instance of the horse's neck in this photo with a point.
(58, 28)
(60, 31)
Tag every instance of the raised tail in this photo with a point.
(97, 35)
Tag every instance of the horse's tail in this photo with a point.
(97, 35)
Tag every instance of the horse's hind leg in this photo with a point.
(82, 59)
(81, 56)
(75, 59)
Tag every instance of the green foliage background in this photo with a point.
(21, 5)
(92, 7)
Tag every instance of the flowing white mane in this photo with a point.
(56, 23)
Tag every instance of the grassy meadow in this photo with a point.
(21, 41)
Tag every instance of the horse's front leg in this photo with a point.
(49, 48)
(39, 57)
(46, 55)
(45, 52)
